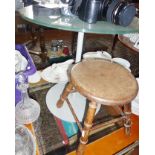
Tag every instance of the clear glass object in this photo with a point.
(73, 23)
(24, 141)
(27, 110)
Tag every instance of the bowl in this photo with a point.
(122, 62)
(98, 54)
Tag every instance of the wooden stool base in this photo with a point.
(106, 145)
(64, 95)
(87, 126)
(104, 82)
(127, 122)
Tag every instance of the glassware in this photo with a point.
(37, 125)
(27, 110)
(24, 141)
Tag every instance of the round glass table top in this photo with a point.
(71, 23)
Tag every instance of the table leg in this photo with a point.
(127, 123)
(43, 54)
(34, 37)
(113, 45)
(74, 42)
(87, 126)
(79, 46)
(64, 95)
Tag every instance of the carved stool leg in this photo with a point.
(64, 95)
(87, 126)
(127, 123)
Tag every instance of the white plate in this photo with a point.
(54, 77)
(122, 62)
(57, 73)
(34, 78)
(98, 54)
(78, 103)
(135, 107)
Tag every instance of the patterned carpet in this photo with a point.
(48, 136)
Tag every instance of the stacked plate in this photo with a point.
(98, 54)
(34, 78)
(57, 72)
(105, 55)
(125, 63)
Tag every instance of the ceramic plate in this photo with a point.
(78, 103)
(135, 107)
(122, 62)
(57, 73)
(98, 54)
(47, 75)
(50, 75)
(34, 78)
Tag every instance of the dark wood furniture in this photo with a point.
(101, 82)
(126, 41)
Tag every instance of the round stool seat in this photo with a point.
(104, 81)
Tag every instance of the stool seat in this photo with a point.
(104, 81)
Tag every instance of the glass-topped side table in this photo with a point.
(77, 25)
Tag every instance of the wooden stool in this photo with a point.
(100, 81)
